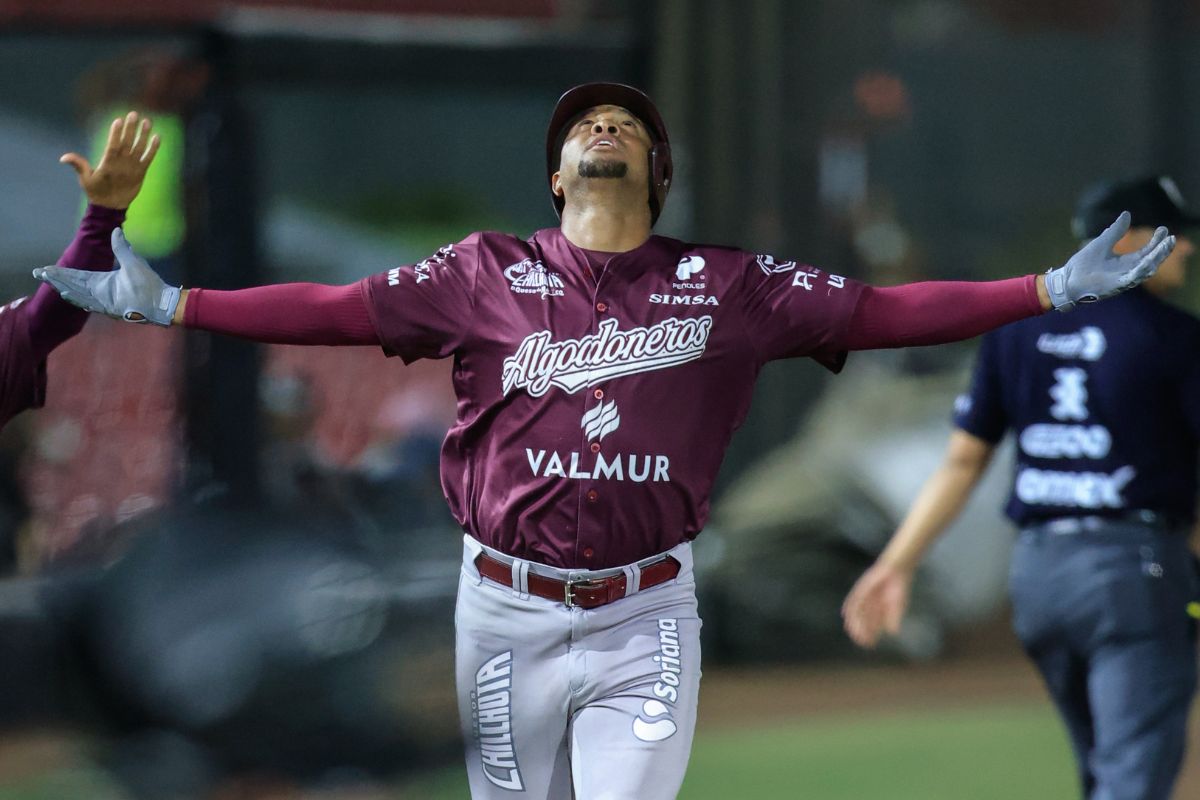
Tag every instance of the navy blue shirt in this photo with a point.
(1105, 405)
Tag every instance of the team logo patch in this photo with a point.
(532, 277)
(654, 724)
(571, 364)
(601, 421)
(689, 266)
(770, 266)
(687, 273)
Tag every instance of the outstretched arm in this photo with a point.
(287, 313)
(937, 312)
(879, 598)
(110, 188)
(50, 319)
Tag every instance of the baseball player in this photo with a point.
(31, 327)
(600, 373)
(1105, 407)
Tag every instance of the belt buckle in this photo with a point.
(569, 587)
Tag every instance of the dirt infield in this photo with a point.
(731, 698)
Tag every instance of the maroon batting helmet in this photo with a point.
(575, 101)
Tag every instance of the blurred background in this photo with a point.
(227, 570)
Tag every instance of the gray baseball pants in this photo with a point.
(559, 702)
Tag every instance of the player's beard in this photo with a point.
(598, 168)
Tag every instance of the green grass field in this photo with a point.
(990, 752)
(1002, 752)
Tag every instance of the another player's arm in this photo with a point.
(286, 313)
(937, 312)
(879, 598)
(178, 317)
(110, 188)
(1042, 293)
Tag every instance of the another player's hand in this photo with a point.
(876, 603)
(132, 292)
(118, 177)
(1096, 272)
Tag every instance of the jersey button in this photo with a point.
(592, 495)
(602, 307)
(595, 447)
(588, 552)
(598, 394)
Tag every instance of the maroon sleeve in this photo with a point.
(51, 319)
(287, 313)
(31, 327)
(424, 310)
(937, 312)
(792, 310)
(22, 371)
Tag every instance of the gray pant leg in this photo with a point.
(1141, 695)
(511, 671)
(631, 731)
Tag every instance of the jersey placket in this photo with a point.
(591, 500)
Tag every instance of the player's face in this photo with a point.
(604, 143)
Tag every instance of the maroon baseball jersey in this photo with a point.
(594, 412)
(22, 373)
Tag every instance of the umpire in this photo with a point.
(1105, 406)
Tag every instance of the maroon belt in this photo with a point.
(583, 593)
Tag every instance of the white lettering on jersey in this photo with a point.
(1069, 394)
(668, 660)
(684, 300)
(622, 467)
(1074, 489)
(491, 710)
(423, 270)
(532, 277)
(1066, 441)
(802, 278)
(1088, 343)
(609, 353)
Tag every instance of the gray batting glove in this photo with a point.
(132, 292)
(1096, 272)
